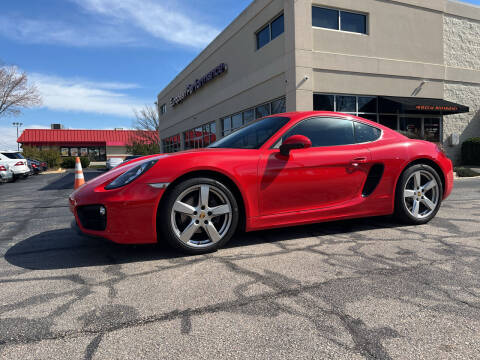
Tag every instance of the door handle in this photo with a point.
(359, 160)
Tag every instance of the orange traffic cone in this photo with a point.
(79, 179)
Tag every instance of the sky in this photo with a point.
(94, 61)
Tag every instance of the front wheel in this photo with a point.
(199, 216)
(418, 195)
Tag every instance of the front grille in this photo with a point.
(90, 217)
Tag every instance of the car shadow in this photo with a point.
(66, 249)
(341, 227)
(67, 181)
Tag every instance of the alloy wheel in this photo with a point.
(201, 215)
(421, 194)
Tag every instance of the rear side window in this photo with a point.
(325, 131)
(366, 133)
(10, 155)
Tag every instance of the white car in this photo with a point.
(6, 174)
(113, 162)
(17, 163)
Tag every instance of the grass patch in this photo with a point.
(102, 167)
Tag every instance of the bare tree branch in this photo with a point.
(147, 124)
(15, 92)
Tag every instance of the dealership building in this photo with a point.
(412, 65)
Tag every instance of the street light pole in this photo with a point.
(17, 124)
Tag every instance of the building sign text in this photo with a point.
(197, 84)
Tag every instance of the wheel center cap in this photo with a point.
(202, 215)
(419, 193)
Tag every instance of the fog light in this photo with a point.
(102, 210)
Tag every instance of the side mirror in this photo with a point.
(295, 142)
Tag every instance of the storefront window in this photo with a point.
(411, 127)
(367, 104)
(171, 144)
(213, 132)
(248, 116)
(323, 102)
(418, 126)
(431, 128)
(389, 121)
(278, 106)
(199, 137)
(237, 121)
(347, 104)
(227, 125)
(371, 117)
(261, 111)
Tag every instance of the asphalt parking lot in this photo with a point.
(346, 290)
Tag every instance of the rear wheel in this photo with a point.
(199, 216)
(418, 195)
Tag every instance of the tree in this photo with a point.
(147, 139)
(141, 148)
(15, 92)
(147, 123)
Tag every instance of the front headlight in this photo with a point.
(130, 175)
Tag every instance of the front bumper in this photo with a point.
(131, 212)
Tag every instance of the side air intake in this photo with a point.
(373, 179)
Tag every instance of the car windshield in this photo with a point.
(253, 135)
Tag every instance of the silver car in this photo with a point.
(6, 174)
(113, 162)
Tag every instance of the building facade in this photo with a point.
(98, 145)
(413, 65)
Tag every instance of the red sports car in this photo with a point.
(282, 170)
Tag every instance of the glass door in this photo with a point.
(431, 129)
(411, 127)
(425, 128)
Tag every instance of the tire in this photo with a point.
(191, 228)
(418, 195)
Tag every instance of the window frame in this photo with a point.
(356, 112)
(253, 109)
(365, 142)
(269, 26)
(366, 14)
(163, 109)
(277, 143)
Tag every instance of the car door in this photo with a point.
(329, 173)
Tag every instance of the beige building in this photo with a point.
(413, 65)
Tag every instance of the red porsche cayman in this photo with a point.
(282, 170)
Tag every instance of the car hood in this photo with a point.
(104, 179)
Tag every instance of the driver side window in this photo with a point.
(324, 131)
